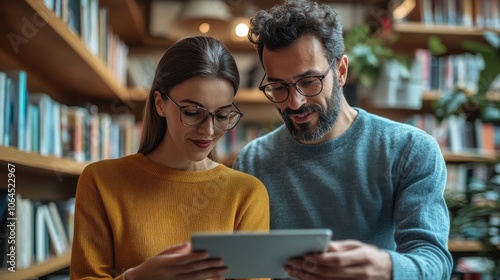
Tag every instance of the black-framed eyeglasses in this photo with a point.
(194, 116)
(308, 86)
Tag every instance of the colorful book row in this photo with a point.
(34, 122)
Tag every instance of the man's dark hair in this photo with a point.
(281, 25)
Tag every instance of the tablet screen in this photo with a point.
(261, 254)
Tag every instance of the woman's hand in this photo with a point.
(178, 262)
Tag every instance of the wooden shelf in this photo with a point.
(434, 95)
(464, 246)
(128, 20)
(413, 35)
(49, 51)
(250, 96)
(243, 95)
(440, 29)
(49, 266)
(43, 164)
(470, 156)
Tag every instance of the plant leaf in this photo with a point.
(436, 47)
(450, 104)
(492, 38)
(492, 65)
(491, 113)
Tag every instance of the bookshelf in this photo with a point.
(46, 267)
(60, 64)
(75, 75)
(73, 68)
(452, 29)
(43, 164)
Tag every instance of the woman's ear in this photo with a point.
(159, 104)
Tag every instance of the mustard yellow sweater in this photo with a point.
(130, 209)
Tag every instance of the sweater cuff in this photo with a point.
(120, 277)
(403, 267)
(123, 275)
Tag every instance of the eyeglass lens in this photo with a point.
(307, 86)
(223, 119)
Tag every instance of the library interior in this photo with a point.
(75, 75)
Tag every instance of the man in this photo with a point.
(376, 183)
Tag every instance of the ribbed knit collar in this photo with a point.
(142, 162)
(348, 137)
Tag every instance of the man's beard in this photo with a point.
(306, 132)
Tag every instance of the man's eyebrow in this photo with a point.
(309, 72)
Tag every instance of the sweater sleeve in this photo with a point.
(92, 241)
(256, 209)
(420, 214)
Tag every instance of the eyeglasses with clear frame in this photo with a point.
(309, 86)
(194, 116)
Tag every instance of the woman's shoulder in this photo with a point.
(108, 165)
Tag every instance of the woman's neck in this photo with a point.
(161, 155)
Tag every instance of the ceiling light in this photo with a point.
(239, 29)
(204, 28)
(207, 17)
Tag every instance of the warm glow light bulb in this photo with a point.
(204, 28)
(241, 30)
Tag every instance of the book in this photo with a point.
(77, 128)
(19, 100)
(4, 230)
(56, 240)
(45, 120)
(7, 113)
(49, 4)
(25, 231)
(468, 13)
(3, 78)
(103, 33)
(66, 210)
(33, 129)
(55, 129)
(488, 136)
(478, 13)
(58, 222)
(74, 16)
(41, 234)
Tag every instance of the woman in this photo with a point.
(135, 215)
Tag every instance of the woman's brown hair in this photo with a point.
(197, 56)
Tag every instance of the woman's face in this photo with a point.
(195, 143)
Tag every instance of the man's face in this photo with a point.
(309, 119)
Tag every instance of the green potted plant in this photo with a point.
(391, 78)
(475, 215)
(476, 105)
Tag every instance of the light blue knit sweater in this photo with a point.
(381, 182)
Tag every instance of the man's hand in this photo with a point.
(348, 259)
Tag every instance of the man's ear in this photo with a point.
(342, 66)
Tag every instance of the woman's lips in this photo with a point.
(203, 144)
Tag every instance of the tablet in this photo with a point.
(261, 254)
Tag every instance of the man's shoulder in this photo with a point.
(267, 140)
(261, 150)
(383, 130)
(388, 126)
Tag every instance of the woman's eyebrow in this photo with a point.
(201, 105)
